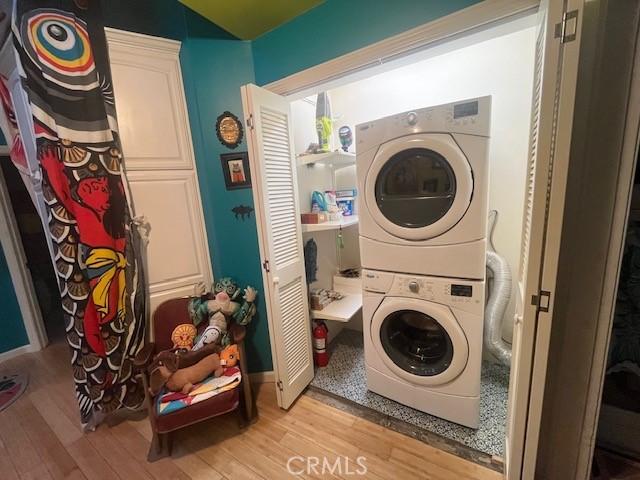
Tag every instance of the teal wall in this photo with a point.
(11, 325)
(13, 334)
(336, 27)
(213, 72)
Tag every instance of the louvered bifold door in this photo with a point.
(555, 72)
(273, 174)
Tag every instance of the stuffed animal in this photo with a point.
(213, 333)
(183, 336)
(183, 380)
(241, 313)
(175, 359)
(223, 303)
(230, 356)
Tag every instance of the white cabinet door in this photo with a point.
(275, 194)
(156, 142)
(552, 117)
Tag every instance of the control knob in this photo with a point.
(413, 286)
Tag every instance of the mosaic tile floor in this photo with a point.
(345, 377)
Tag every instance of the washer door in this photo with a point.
(419, 186)
(419, 341)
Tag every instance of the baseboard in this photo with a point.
(263, 377)
(16, 351)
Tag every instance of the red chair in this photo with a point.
(167, 316)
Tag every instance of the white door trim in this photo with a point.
(20, 274)
(447, 28)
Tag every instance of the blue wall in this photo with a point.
(213, 71)
(13, 334)
(336, 27)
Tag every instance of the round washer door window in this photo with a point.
(416, 342)
(419, 341)
(419, 186)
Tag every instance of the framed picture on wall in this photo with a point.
(235, 167)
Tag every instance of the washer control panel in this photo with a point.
(463, 294)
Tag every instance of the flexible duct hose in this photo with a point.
(498, 299)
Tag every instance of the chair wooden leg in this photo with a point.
(167, 443)
(161, 446)
(246, 385)
(155, 449)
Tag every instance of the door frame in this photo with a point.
(20, 274)
(347, 68)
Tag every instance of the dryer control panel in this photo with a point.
(464, 294)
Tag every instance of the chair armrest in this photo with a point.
(144, 357)
(238, 332)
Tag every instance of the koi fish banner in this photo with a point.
(60, 122)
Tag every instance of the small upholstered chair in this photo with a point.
(167, 316)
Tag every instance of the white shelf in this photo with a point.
(340, 310)
(331, 225)
(339, 158)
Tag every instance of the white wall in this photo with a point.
(501, 67)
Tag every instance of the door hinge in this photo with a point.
(250, 122)
(265, 265)
(566, 30)
(541, 301)
(279, 384)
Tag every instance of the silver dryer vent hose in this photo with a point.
(499, 296)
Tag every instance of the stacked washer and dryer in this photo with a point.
(423, 176)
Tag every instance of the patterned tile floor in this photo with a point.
(345, 377)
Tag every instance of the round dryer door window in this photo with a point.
(419, 186)
(415, 188)
(419, 341)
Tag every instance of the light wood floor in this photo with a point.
(40, 438)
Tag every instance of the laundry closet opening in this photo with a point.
(422, 173)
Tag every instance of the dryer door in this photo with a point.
(420, 341)
(419, 186)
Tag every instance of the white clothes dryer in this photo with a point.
(423, 179)
(423, 342)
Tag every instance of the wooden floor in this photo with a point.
(40, 438)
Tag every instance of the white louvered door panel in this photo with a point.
(273, 175)
(554, 87)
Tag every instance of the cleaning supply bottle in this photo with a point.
(323, 121)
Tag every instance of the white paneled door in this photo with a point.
(156, 140)
(555, 76)
(275, 194)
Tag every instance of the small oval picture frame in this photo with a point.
(229, 130)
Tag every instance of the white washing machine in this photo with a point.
(423, 180)
(423, 342)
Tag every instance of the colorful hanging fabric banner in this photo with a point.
(76, 166)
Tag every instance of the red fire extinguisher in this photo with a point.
(320, 334)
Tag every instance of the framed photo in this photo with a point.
(235, 167)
